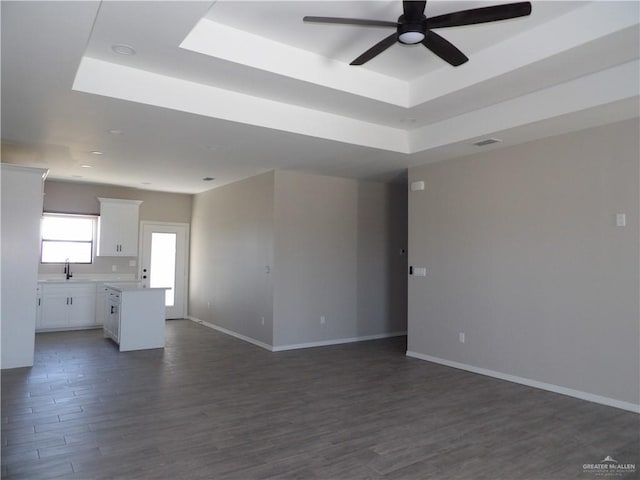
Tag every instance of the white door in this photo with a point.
(164, 263)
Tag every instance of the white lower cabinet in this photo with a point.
(65, 306)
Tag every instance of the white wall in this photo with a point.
(21, 211)
(523, 255)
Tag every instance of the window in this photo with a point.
(67, 238)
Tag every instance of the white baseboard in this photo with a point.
(611, 402)
(68, 329)
(338, 341)
(232, 333)
(281, 348)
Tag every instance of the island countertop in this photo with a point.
(128, 287)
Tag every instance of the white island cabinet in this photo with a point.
(134, 316)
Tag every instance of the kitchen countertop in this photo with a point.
(91, 279)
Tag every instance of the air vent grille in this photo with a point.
(487, 141)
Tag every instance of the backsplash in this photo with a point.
(100, 265)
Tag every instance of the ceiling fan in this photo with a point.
(414, 27)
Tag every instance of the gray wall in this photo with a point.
(382, 259)
(231, 244)
(328, 243)
(71, 197)
(524, 256)
(333, 256)
(315, 257)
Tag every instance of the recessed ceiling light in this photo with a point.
(76, 176)
(115, 131)
(97, 152)
(145, 183)
(122, 49)
(86, 166)
(208, 179)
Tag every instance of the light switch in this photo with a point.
(415, 186)
(621, 220)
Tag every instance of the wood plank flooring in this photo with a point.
(209, 406)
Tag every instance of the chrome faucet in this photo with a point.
(67, 269)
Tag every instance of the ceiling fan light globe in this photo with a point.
(411, 37)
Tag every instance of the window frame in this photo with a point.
(92, 242)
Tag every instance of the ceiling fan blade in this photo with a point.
(351, 21)
(444, 49)
(480, 15)
(377, 49)
(413, 9)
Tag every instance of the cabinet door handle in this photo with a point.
(71, 300)
(112, 309)
(67, 300)
(38, 302)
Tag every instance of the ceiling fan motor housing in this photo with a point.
(411, 31)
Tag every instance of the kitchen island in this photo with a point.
(135, 316)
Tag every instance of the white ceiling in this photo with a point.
(231, 89)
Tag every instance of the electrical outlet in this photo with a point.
(114, 268)
(209, 305)
(461, 337)
(262, 320)
(322, 320)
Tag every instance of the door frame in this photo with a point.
(185, 273)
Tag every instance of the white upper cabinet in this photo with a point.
(118, 227)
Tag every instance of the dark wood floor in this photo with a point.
(212, 407)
